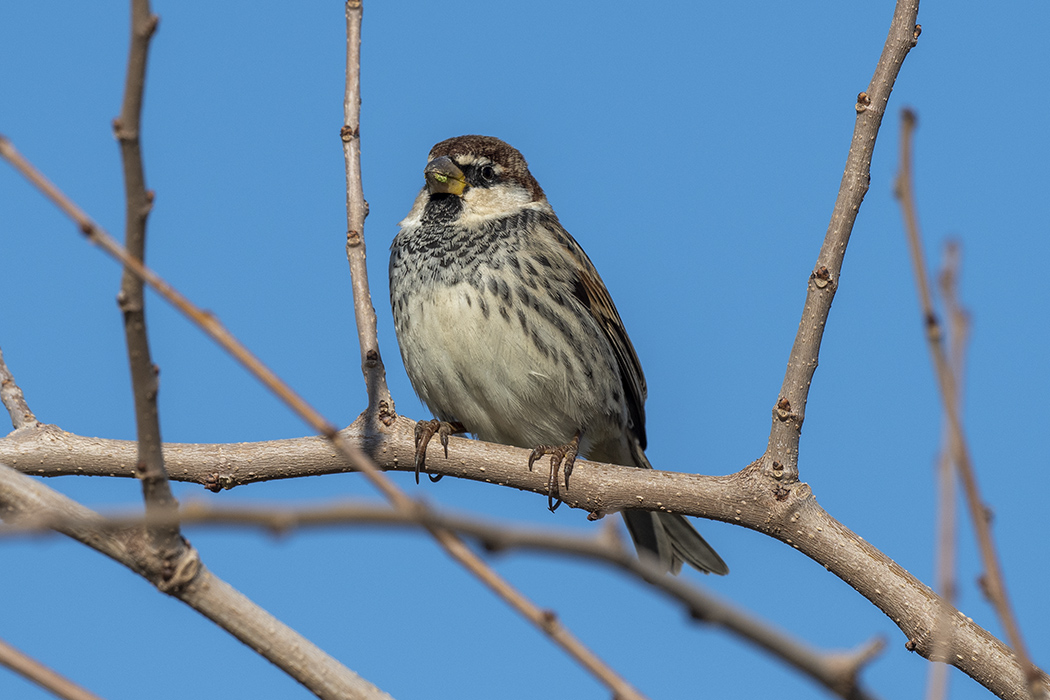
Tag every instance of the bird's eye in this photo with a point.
(488, 173)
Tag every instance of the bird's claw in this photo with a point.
(425, 430)
(560, 454)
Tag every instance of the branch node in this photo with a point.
(933, 327)
(863, 102)
(147, 205)
(386, 413)
(698, 614)
(217, 482)
(783, 413)
(180, 573)
(548, 620)
(822, 277)
(123, 132)
(354, 239)
(126, 304)
(349, 133)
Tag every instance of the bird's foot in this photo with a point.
(425, 430)
(560, 454)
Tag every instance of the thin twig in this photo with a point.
(837, 671)
(958, 334)
(781, 457)
(156, 491)
(545, 620)
(14, 400)
(993, 581)
(380, 403)
(46, 678)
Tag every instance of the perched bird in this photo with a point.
(507, 330)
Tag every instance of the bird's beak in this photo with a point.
(444, 177)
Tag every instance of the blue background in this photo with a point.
(694, 150)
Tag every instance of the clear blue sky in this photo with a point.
(694, 149)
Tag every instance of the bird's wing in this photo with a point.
(590, 290)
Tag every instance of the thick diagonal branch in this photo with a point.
(22, 496)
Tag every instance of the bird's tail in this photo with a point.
(669, 537)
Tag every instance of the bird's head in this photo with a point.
(479, 178)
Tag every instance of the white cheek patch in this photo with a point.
(483, 203)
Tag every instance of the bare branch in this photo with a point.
(994, 583)
(156, 492)
(794, 518)
(24, 497)
(43, 676)
(837, 671)
(791, 515)
(380, 403)
(781, 457)
(544, 620)
(14, 400)
(958, 334)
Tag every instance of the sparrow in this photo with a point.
(507, 331)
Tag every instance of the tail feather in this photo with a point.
(669, 537)
(672, 540)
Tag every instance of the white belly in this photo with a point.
(504, 383)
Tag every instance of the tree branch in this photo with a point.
(193, 584)
(780, 460)
(14, 400)
(944, 565)
(380, 403)
(38, 673)
(160, 503)
(837, 671)
(791, 515)
(744, 499)
(993, 580)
